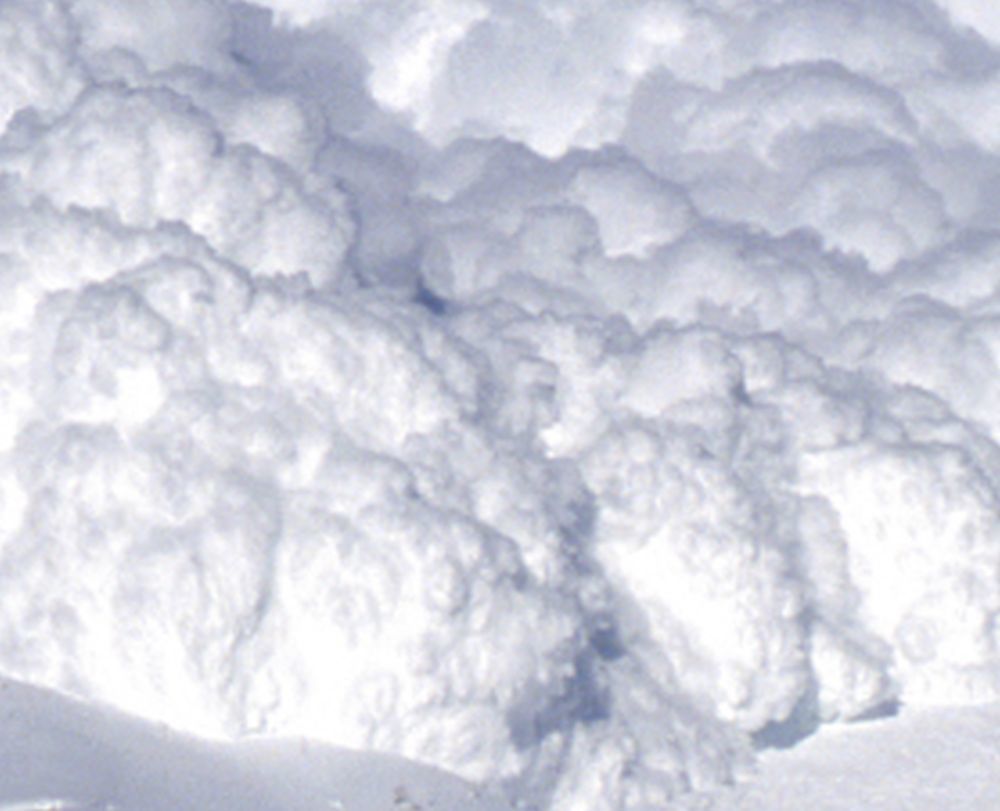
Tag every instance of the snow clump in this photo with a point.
(570, 396)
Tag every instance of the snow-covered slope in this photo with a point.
(925, 760)
(59, 753)
(574, 395)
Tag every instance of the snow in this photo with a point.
(576, 397)
(61, 754)
(927, 759)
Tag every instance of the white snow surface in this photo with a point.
(927, 759)
(573, 396)
(61, 754)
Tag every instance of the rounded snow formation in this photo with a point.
(571, 395)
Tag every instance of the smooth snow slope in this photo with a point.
(575, 395)
(60, 753)
(928, 759)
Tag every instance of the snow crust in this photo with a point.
(570, 395)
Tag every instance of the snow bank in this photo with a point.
(561, 394)
(62, 754)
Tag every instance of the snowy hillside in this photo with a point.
(578, 397)
(61, 754)
(57, 753)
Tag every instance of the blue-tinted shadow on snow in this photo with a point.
(803, 721)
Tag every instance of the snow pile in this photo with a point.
(560, 394)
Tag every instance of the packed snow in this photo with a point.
(61, 755)
(926, 760)
(575, 396)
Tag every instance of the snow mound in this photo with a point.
(567, 396)
(62, 754)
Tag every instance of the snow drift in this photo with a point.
(567, 395)
(63, 755)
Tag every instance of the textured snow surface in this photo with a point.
(571, 395)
